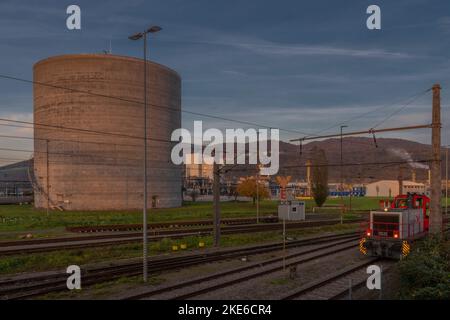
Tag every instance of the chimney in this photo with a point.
(413, 175)
(400, 180)
(429, 177)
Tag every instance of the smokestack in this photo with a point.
(413, 175)
(429, 177)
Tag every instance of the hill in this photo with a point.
(382, 156)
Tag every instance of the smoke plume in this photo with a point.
(403, 154)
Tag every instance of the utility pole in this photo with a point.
(216, 196)
(308, 177)
(436, 182)
(342, 180)
(257, 179)
(48, 178)
(257, 194)
(446, 179)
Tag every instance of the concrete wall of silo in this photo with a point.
(84, 170)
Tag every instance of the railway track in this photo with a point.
(206, 284)
(333, 285)
(32, 285)
(170, 225)
(98, 240)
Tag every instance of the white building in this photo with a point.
(390, 188)
(196, 168)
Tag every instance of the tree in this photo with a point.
(247, 188)
(319, 176)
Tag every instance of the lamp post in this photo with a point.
(135, 37)
(342, 182)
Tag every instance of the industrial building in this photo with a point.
(15, 186)
(390, 188)
(89, 129)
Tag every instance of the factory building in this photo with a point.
(15, 186)
(390, 188)
(89, 129)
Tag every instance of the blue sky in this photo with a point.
(301, 65)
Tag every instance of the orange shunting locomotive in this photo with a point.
(392, 229)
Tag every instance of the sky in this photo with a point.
(298, 65)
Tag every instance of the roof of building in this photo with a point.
(408, 183)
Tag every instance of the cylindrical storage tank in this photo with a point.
(89, 129)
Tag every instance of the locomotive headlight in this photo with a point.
(385, 209)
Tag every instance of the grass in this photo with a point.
(25, 217)
(20, 218)
(61, 259)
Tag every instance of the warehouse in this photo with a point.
(390, 188)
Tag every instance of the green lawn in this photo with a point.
(26, 218)
(15, 218)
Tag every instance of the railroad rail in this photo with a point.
(32, 285)
(324, 288)
(202, 285)
(170, 224)
(65, 243)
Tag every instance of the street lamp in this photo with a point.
(135, 37)
(342, 182)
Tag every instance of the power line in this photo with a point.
(399, 110)
(83, 130)
(68, 140)
(12, 159)
(68, 154)
(150, 104)
(359, 164)
(414, 97)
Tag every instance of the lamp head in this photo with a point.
(136, 36)
(154, 29)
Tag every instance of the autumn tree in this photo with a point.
(319, 176)
(248, 188)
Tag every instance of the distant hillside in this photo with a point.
(357, 150)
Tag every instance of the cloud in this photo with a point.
(10, 137)
(323, 50)
(272, 48)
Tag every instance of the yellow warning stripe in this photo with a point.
(406, 248)
(362, 247)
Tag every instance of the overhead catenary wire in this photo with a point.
(410, 100)
(69, 140)
(68, 154)
(149, 104)
(89, 131)
(360, 164)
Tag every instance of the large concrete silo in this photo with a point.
(87, 169)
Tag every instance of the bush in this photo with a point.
(425, 273)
